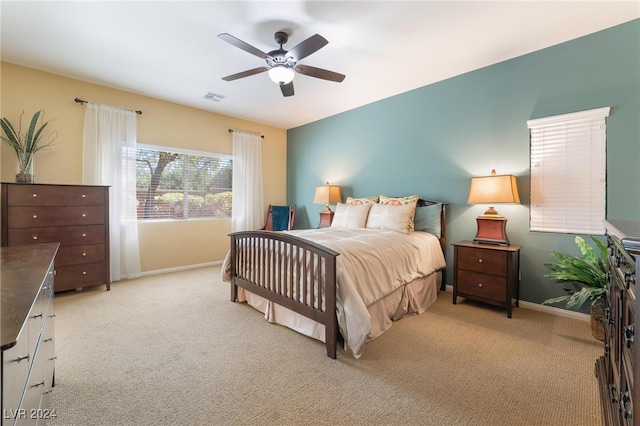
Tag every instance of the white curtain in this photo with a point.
(109, 158)
(247, 207)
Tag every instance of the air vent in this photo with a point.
(215, 97)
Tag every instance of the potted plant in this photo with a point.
(586, 277)
(26, 145)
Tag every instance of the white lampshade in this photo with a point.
(281, 74)
(493, 189)
(326, 195)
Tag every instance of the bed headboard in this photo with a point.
(443, 221)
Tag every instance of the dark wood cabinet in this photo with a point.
(616, 369)
(487, 273)
(76, 216)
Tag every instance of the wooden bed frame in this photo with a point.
(260, 262)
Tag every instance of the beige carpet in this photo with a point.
(172, 350)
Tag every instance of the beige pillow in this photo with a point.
(392, 217)
(351, 215)
(364, 200)
(397, 201)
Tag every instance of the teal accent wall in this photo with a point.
(432, 140)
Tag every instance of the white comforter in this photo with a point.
(372, 264)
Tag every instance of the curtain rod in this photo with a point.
(231, 131)
(81, 102)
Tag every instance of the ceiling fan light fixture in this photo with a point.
(281, 74)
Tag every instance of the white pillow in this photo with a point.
(350, 215)
(391, 217)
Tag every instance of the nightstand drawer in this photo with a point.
(486, 286)
(486, 261)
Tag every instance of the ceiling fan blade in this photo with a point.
(287, 89)
(307, 47)
(242, 45)
(320, 73)
(246, 73)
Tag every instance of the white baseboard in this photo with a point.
(547, 309)
(180, 268)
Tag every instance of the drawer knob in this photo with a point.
(84, 196)
(84, 272)
(84, 234)
(35, 216)
(22, 357)
(35, 195)
(84, 253)
(35, 237)
(479, 260)
(629, 331)
(84, 215)
(629, 277)
(480, 285)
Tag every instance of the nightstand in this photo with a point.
(325, 219)
(487, 273)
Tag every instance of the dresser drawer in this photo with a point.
(52, 195)
(78, 276)
(486, 286)
(77, 255)
(65, 235)
(487, 261)
(15, 369)
(33, 217)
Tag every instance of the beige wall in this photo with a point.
(163, 245)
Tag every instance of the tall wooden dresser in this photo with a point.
(617, 369)
(76, 216)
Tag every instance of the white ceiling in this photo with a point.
(170, 50)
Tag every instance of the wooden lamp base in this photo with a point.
(492, 229)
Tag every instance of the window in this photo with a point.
(568, 172)
(179, 184)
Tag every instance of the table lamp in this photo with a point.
(327, 194)
(494, 189)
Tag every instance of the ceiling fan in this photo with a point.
(282, 65)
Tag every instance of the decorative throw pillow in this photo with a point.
(391, 217)
(427, 219)
(350, 215)
(364, 200)
(398, 201)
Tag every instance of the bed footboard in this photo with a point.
(290, 271)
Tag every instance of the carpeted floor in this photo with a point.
(173, 350)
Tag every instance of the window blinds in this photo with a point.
(568, 172)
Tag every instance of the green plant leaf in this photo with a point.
(12, 137)
(30, 143)
(586, 274)
(26, 145)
